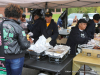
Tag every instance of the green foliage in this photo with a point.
(98, 10)
(27, 16)
(83, 10)
(63, 9)
(55, 17)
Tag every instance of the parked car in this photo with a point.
(72, 16)
(91, 15)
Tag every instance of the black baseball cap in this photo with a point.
(23, 15)
(48, 14)
(96, 17)
(82, 21)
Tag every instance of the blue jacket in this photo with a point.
(76, 37)
(59, 22)
(90, 29)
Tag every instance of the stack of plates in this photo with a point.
(86, 46)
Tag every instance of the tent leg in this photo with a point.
(84, 69)
(45, 9)
(66, 19)
(46, 6)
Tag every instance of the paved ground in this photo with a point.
(27, 71)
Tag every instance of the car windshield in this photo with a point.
(91, 15)
(72, 16)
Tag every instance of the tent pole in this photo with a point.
(46, 6)
(45, 9)
(66, 19)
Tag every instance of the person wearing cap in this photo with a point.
(77, 36)
(90, 29)
(35, 26)
(59, 22)
(23, 18)
(23, 23)
(49, 29)
(37, 19)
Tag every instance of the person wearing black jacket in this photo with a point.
(33, 28)
(77, 36)
(90, 29)
(15, 41)
(50, 29)
(36, 22)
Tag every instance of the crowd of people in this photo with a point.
(82, 32)
(16, 27)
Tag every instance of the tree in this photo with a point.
(82, 10)
(63, 9)
(98, 10)
(79, 10)
(95, 9)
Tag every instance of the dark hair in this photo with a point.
(23, 15)
(13, 10)
(96, 17)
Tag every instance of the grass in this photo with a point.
(55, 17)
(28, 16)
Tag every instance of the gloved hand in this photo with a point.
(32, 39)
(26, 24)
(48, 45)
(30, 34)
(48, 40)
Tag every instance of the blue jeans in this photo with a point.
(14, 66)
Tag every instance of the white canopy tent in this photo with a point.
(52, 3)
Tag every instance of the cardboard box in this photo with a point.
(94, 52)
